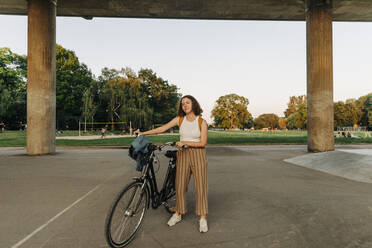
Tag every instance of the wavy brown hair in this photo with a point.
(195, 106)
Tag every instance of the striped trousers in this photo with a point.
(192, 160)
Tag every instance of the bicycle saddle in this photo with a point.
(171, 154)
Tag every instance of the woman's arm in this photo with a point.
(161, 129)
(203, 138)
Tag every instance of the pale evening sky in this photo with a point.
(263, 61)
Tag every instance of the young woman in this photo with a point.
(192, 160)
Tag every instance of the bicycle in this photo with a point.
(129, 207)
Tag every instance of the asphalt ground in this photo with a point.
(256, 199)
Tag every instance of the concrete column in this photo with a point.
(41, 78)
(319, 75)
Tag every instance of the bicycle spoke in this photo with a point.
(121, 228)
(127, 214)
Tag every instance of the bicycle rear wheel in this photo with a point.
(126, 215)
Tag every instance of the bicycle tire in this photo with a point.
(122, 211)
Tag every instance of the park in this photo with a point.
(298, 179)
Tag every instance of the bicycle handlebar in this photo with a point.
(173, 144)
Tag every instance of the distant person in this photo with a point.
(103, 130)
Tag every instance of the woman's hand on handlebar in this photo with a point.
(137, 132)
(180, 144)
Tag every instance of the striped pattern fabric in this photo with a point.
(192, 161)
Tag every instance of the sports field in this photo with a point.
(18, 138)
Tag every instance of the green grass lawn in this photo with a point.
(18, 138)
(13, 138)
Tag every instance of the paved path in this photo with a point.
(94, 137)
(256, 200)
(90, 137)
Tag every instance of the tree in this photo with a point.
(13, 85)
(231, 111)
(294, 101)
(339, 114)
(301, 115)
(354, 113)
(136, 107)
(266, 121)
(88, 108)
(296, 112)
(125, 97)
(298, 119)
(366, 119)
(350, 113)
(291, 121)
(144, 99)
(282, 123)
(72, 80)
(114, 95)
(163, 97)
(248, 123)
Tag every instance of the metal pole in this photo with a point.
(130, 128)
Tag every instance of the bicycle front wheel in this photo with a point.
(126, 215)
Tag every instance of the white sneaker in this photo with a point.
(174, 219)
(203, 225)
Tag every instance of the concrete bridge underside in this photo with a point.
(294, 10)
(318, 14)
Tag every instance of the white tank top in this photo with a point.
(189, 130)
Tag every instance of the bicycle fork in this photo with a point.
(130, 212)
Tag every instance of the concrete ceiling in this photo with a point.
(343, 10)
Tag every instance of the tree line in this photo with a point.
(231, 111)
(351, 113)
(142, 98)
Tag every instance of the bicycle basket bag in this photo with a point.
(131, 153)
(139, 150)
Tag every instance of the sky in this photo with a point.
(264, 61)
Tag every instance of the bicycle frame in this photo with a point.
(148, 178)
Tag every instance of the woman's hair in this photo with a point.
(195, 106)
